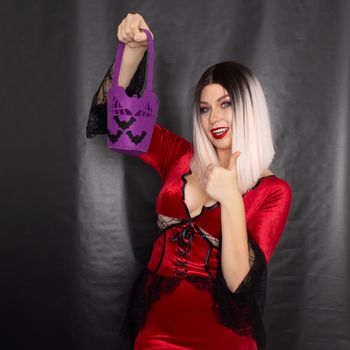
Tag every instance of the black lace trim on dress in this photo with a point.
(97, 122)
(147, 289)
(241, 310)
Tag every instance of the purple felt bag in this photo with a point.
(130, 120)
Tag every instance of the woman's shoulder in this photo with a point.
(280, 182)
(277, 186)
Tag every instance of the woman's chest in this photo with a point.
(182, 197)
(170, 200)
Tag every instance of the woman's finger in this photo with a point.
(119, 34)
(139, 37)
(127, 30)
(233, 160)
(135, 25)
(205, 180)
(210, 167)
(123, 35)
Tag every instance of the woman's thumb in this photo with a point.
(234, 156)
(140, 36)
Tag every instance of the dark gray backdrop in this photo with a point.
(77, 220)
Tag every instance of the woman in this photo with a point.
(220, 210)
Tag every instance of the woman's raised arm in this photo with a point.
(131, 74)
(165, 148)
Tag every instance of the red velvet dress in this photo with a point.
(181, 300)
(185, 301)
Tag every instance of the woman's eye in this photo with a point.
(205, 109)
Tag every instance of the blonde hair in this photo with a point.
(251, 130)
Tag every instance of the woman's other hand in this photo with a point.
(129, 32)
(221, 183)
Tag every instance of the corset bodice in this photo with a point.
(183, 248)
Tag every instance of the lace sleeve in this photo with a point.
(97, 121)
(242, 310)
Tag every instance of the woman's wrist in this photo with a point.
(133, 56)
(130, 62)
(231, 197)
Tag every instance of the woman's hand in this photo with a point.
(129, 32)
(220, 183)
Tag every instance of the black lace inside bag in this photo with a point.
(97, 122)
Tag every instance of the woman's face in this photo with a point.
(216, 115)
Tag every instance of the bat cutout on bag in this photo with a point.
(124, 124)
(136, 139)
(114, 137)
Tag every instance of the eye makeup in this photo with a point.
(203, 109)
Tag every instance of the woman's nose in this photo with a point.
(214, 116)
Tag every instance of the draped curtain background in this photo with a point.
(77, 220)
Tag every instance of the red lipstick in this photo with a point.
(219, 133)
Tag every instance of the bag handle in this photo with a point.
(119, 56)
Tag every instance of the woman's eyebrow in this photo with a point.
(220, 98)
